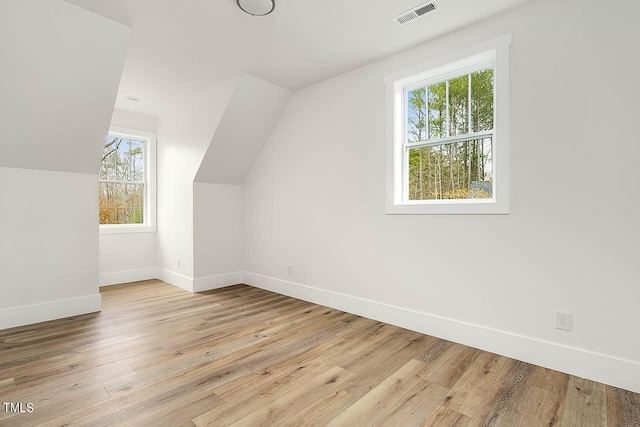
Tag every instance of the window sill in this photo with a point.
(449, 207)
(126, 229)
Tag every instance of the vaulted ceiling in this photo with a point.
(180, 48)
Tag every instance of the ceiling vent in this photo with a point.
(414, 13)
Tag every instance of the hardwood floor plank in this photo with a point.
(208, 372)
(7, 384)
(304, 342)
(470, 390)
(250, 393)
(392, 349)
(503, 403)
(553, 381)
(368, 339)
(515, 399)
(586, 404)
(454, 362)
(542, 409)
(378, 401)
(446, 417)
(201, 353)
(266, 381)
(175, 402)
(286, 409)
(623, 407)
(415, 406)
(319, 413)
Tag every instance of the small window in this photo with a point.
(126, 193)
(448, 134)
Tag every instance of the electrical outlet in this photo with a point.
(290, 268)
(178, 263)
(564, 321)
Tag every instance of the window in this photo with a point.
(447, 131)
(126, 193)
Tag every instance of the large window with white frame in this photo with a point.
(127, 189)
(447, 131)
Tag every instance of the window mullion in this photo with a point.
(114, 181)
(404, 152)
(469, 129)
(449, 140)
(446, 106)
(405, 173)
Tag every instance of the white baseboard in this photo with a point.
(42, 312)
(198, 284)
(127, 276)
(218, 281)
(175, 279)
(575, 361)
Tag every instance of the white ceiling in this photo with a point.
(179, 48)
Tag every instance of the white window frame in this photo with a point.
(149, 224)
(492, 52)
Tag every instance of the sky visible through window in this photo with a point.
(123, 159)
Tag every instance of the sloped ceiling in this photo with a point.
(60, 75)
(250, 115)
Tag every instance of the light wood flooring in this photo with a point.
(159, 356)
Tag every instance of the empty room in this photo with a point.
(345, 213)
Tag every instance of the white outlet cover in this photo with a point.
(564, 321)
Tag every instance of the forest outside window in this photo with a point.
(126, 193)
(448, 134)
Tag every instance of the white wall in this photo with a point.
(316, 199)
(129, 257)
(58, 88)
(218, 224)
(183, 138)
(49, 245)
(133, 120)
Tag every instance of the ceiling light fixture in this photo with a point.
(257, 7)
